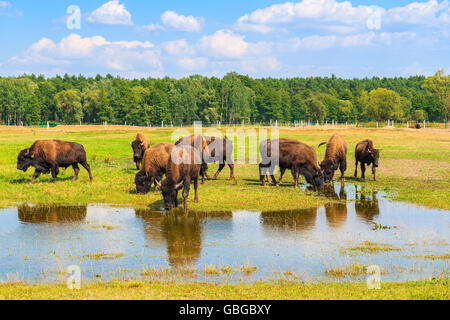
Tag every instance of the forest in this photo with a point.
(33, 100)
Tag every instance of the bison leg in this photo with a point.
(262, 173)
(76, 169)
(356, 169)
(342, 168)
(221, 166)
(232, 177)
(282, 170)
(374, 170)
(138, 165)
(55, 171)
(36, 175)
(195, 189)
(295, 173)
(88, 169)
(363, 171)
(187, 186)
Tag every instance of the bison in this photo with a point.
(154, 165)
(183, 168)
(50, 155)
(335, 157)
(139, 145)
(366, 153)
(292, 154)
(199, 142)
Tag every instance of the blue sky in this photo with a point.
(261, 38)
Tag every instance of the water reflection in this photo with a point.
(298, 220)
(336, 213)
(43, 214)
(367, 206)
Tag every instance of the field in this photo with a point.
(414, 167)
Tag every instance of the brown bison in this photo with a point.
(417, 126)
(335, 157)
(139, 145)
(366, 153)
(183, 168)
(154, 166)
(290, 154)
(200, 143)
(50, 155)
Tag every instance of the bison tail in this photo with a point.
(321, 144)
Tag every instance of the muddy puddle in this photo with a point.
(335, 242)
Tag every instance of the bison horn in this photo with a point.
(321, 144)
(178, 186)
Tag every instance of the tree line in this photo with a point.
(32, 100)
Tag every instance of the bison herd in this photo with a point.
(186, 161)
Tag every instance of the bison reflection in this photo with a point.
(182, 234)
(51, 214)
(336, 213)
(366, 206)
(290, 221)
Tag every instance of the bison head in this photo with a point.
(328, 168)
(375, 156)
(170, 193)
(314, 177)
(143, 183)
(25, 160)
(138, 149)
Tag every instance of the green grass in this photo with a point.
(276, 290)
(414, 167)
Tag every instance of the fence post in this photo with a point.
(424, 122)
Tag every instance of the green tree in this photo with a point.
(439, 85)
(69, 106)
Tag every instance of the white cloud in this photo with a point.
(224, 43)
(343, 16)
(178, 48)
(111, 12)
(179, 22)
(192, 64)
(93, 53)
(5, 4)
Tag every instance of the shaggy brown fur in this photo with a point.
(201, 144)
(366, 153)
(294, 155)
(154, 166)
(184, 167)
(139, 145)
(50, 155)
(221, 150)
(335, 157)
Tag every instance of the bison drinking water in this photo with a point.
(335, 157)
(50, 155)
(183, 168)
(139, 145)
(154, 165)
(290, 154)
(366, 153)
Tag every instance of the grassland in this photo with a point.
(414, 167)
(279, 290)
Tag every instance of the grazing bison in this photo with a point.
(417, 126)
(154, 165)
(139, 145)
(292, 154)
(183, 168)
(200, 143)
(366, 153)
(50, 155)
(335, 157)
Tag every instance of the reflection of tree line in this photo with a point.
(43, 214)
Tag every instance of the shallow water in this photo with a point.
(38, 244)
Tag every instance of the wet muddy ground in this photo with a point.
(362, 228)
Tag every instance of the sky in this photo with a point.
(146, 38)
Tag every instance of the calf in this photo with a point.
(366, 153)
(50, 155)
(292, 154)
(154, 166)
(335, 157)
(139, 145)
(183, 168)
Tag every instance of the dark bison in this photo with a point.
(153, 167)
(221, 149)
(199, 142)
(292, 154)
(183, 168)
(335, 157)
(366, 153)
(417, 126)
(139, 145)
(50, 155)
